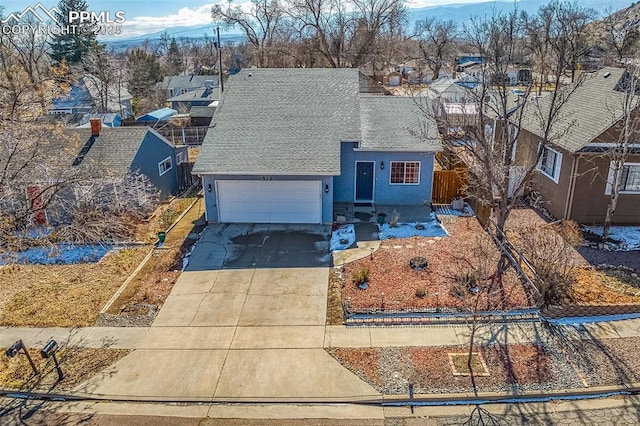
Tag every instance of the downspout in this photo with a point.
(572, 187)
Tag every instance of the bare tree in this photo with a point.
(628, 128)
(437, 41)
(262, 24)
(486, 135)
(621, 37)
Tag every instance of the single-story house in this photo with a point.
(573, 173)
(108, 154)
(289, 143)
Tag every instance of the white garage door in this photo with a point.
(256, 201)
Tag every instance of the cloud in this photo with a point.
(185, 17)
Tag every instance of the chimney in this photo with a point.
(96, 126)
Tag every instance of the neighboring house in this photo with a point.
(449, 91)
(289, 143)
(186, 91)
(134, 149)
(86, 96)
(572, 174)
(109, 154)
(111, 97)
(77, 101)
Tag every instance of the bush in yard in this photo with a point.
(548, 248)
(420, 293)
(361, 276)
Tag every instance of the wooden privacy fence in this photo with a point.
(447, 184)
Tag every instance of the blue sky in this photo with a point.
(156, 15)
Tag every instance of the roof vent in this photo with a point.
(606, 74)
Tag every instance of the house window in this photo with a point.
(164, 166)
(180, 157)
(405, 172)
(629, 178)
(550, 163)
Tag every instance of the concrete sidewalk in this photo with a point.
(302, 336)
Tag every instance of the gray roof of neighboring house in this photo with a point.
(196, 95)
(396, 123)
(283, 121)
(187, 81)
(593, 107)
(114, 149)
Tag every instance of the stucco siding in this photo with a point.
(383, 191)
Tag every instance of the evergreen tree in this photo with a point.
(72, 45)
(143, 72)
(175, 62)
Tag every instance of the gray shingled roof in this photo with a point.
(593, 107)
(201, 93)
(283, 121)
(114, 149)
(388, 123)
(187, 81)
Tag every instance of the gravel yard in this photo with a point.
(467, 250)
(512, 368)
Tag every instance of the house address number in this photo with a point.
(267, 177)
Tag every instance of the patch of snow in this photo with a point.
(61, 254)
(629, 235)
(408, 230)
(344, 233)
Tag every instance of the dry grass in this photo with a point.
(467, 249)
(63, 295)
(602, 288)
(335, 313)
(77, 365)
(73, 295)
(154, 281)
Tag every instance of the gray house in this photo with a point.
(289, 143)
(129, 149)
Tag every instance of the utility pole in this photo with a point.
(221, 82)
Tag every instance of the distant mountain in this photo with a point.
(193, 33)
(460, 13)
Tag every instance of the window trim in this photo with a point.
(180, 157)
(405, 172)
(160, 171)
(557, 166)
(608, 187)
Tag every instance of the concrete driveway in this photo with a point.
(245, 321)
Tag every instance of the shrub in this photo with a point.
(420, 293)
(167, 217)
(361, 276)
(394, 219)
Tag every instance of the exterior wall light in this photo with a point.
(326, 189)
(382, 165)
(209, 188)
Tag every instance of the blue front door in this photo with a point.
(364, 181)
